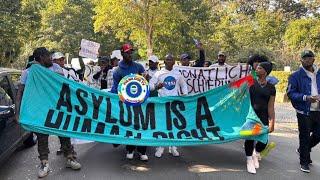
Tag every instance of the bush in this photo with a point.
(282, 76)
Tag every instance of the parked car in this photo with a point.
(12, 135)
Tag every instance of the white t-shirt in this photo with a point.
(217, 65)
(151, 72)
(173, 83)
(55, 68)
(314, 87)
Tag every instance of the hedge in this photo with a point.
(282, 76)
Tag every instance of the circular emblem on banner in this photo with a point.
(169, 82)
(133, 89)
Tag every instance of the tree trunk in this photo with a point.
(150, 41)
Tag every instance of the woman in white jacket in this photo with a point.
(168, 82)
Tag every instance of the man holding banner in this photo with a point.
(69, 73)
(221, 60)
(65, 108)
(128, 66)
(101, 76)
(42, 56)
(168, 82)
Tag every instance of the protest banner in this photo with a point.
(88, 79)
(200, 79)
(52, 104)
(89, 49)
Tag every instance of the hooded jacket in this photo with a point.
(123, 70)
(299, 87)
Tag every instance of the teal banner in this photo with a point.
(52, 104)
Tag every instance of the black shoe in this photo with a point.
(305, 168)
(298, 152)
(115, 145)
(59, 152)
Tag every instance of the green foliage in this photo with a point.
(303, 33)
(8, 30)
(279, 29)
(282, 76)
(143, 22)
(64, 23)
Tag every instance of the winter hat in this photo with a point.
(267, 66)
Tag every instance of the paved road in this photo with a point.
(225, 161)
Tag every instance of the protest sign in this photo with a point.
(200, 79)
(88, 79)
(89, 49)
(52, 104)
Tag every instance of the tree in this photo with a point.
(196, 25)
(303, 33)
(292, 9)
(140, 21)
(64, 23)
(28, 28)
(313, 7)
(9, 18)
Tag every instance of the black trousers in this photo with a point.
(141, 149)
(309, 134)
(43, 146)
(249, 147)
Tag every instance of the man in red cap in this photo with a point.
(128, 66)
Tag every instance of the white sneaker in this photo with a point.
(255, 161)
(159, 152)
(130, 155)
(250, 166)
(174, 151)
(73, 164)
(44, 170)
(143, 157)
(258, 156)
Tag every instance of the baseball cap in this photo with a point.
(126, 47)
(169, 56)
(153, 58)
(57, 55)
(116, 54)
(221, 53)
(185, 56)
(307, 53)
(103, 59)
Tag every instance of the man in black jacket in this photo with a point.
(185, 57)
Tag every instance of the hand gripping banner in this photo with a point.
(52, 104)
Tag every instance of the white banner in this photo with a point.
(200, 79)
(89, 49)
